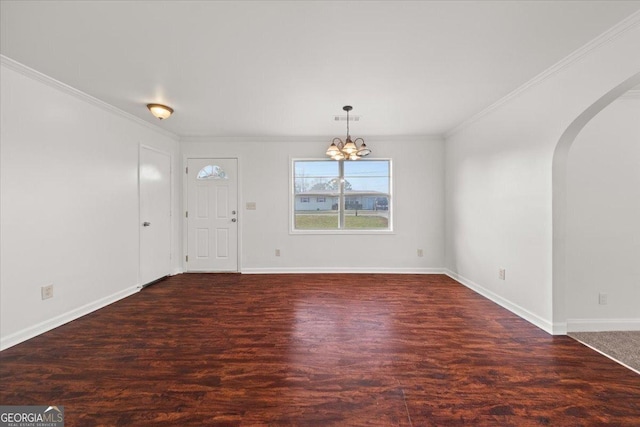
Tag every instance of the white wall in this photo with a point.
(603, 220)
(265, 168)
(69, 206)
(499, 186)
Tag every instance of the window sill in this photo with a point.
(339, 232)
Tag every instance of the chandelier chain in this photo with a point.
(347, 124)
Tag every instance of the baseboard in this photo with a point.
(47, 325)
(530, 317)
(350, 270)
(559, 328)
(602, 325)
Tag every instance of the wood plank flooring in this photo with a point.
(315, 350)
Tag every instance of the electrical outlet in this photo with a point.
(277, 252)
(420, 252)
(602, 299)
(502, 274)
(47, 291)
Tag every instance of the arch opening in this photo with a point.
(560, 194)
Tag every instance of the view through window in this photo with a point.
(347, 195)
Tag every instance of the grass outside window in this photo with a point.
(329, 221)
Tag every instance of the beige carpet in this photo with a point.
(622, 346)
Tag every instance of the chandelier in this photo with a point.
(347, 150)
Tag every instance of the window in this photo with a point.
(350, 196)
(212, 172)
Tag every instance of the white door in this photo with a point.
(212, 215)
(155, 214)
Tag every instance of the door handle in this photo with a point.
(146, 224)
(233, 212)
(233, 220)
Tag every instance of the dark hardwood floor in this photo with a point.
(315, 350)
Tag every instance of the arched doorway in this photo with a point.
(559, 203)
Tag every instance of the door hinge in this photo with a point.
(186, 214)
(186, 170)
(186, 258)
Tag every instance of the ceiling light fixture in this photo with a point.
(160, 111)
(347, 150)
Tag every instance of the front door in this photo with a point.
(155, 214)
(212, 215)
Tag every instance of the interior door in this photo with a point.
(155, 214)
(212, 219)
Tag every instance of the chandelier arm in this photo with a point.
(339, 144)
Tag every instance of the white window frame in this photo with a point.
(371, 231)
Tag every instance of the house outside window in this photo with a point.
(341, 197)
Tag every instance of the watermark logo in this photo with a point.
(31, 416)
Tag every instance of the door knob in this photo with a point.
(146, 224)
(233, 212)
(233, 220)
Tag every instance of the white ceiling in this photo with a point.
(286, 68)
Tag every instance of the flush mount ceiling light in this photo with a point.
(160, 111)
(347, 150)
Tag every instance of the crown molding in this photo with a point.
(51, 82)
(611, 34)
(632, 94)
(314, 139)
(241, 139)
